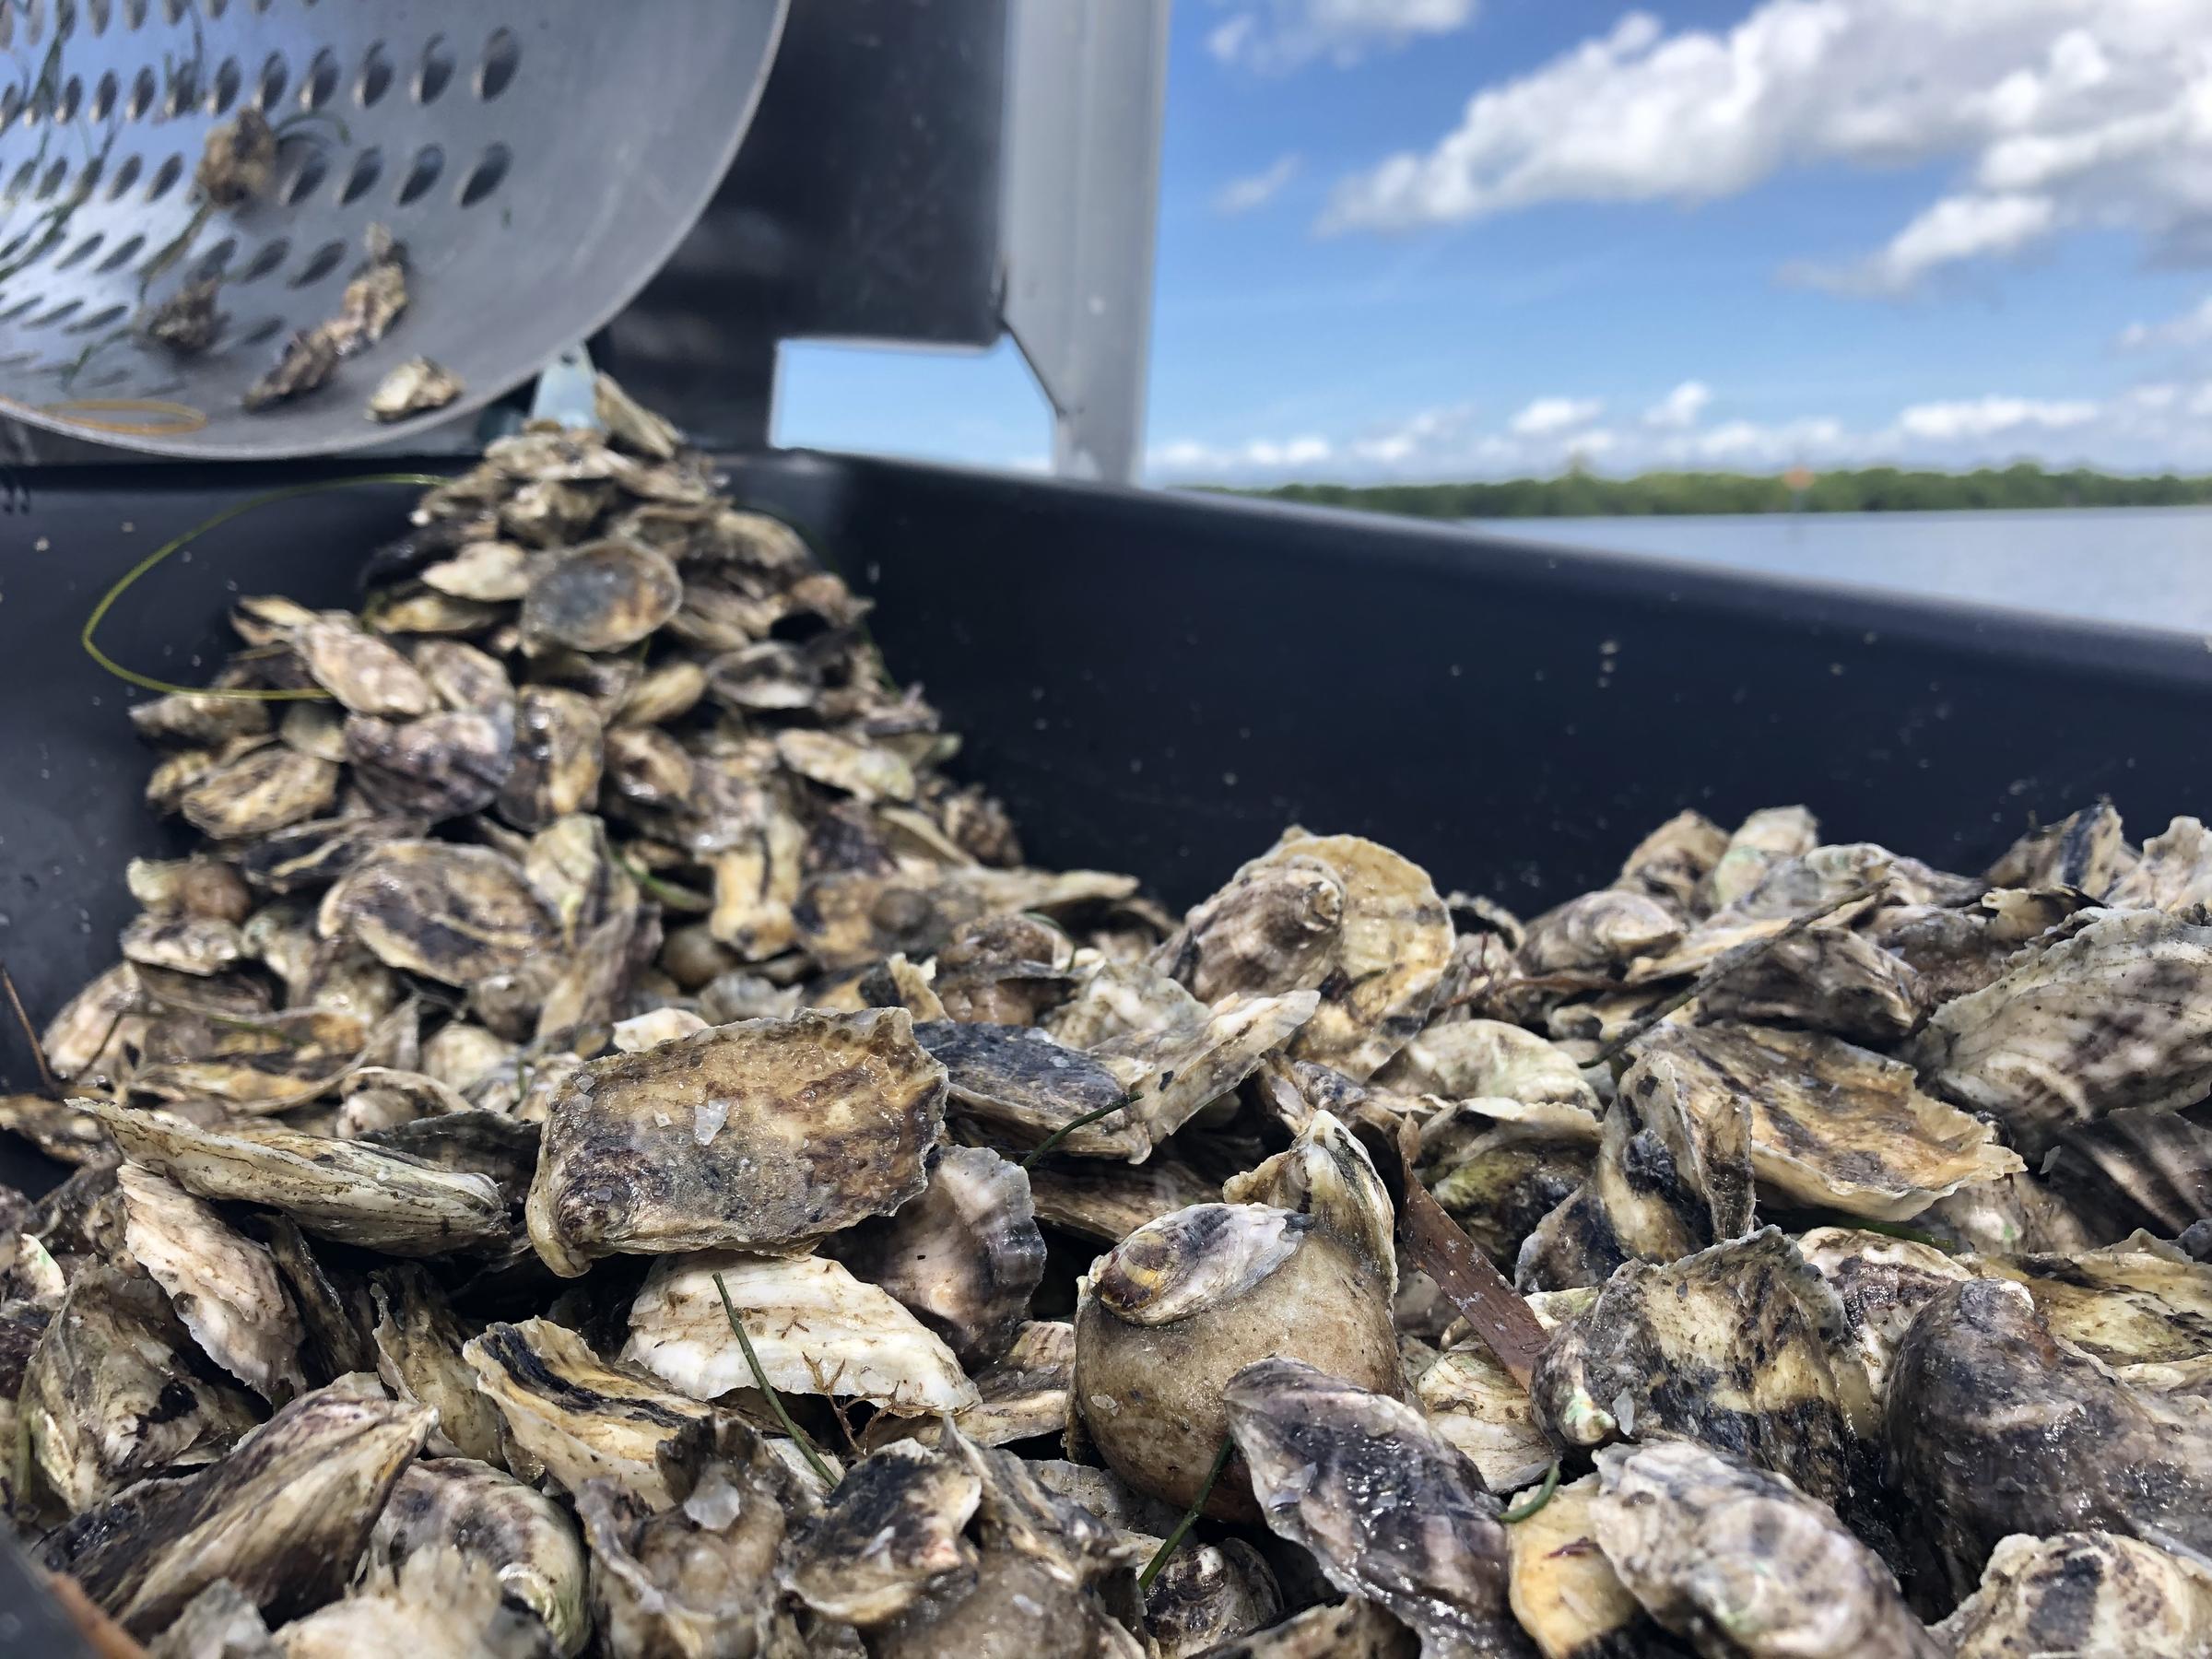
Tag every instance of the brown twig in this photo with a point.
(49, 1085)
(1732, 961)
(1440, 1248)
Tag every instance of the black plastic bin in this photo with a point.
(1161, 683)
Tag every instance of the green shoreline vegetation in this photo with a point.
(1863, 489)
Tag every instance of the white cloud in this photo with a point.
(1548, 415)
(1679, 409)
(1242, 195)
(1273, 36)
(2059, 114)
(1991, 417)
(2193, 328)
(1258, 455)
(1954, 229)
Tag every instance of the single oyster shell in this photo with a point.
(437, 1605)
(349, 1190)
(222, 1285)
(114, 1390)
(1667, 1181)
(815, 1329)
(314, 853)
(258, 1066)
(646, 765)
(2083, 850)
(1598, 934)
(1564, 1593)
(1741, 1561)
(557, 757)
(2135, 1169)
(1005, 970)
(1761, 1332)
(1762, 841)
(1882, 1284)
(454, 914)
(1107, 1202)
(1175, 1072)
(182, 717)
(893, 1525)
(190, 887)
(764, 1133)
(2142, 1307)
(2014, 1212)
(413, 387)
(333, 1313)
(964, 1258)
(452, 1504)
(362, 672)
(697, 1579)
(1207, 1594)
(1018, 1082)
(1388, 1507)
(435, 767)
(1958, 949)
(1671, 865)
(853, 917)
(575, 1417)
(382, 1097)
(2175, 872)
(1498, 1167)
(602, 597)
(862, 771)
(2085, 1593)
(260, 792)
(419, 1341)
(1831, 1126)
(78, 1036)
(1474, 1402)
(197, 945)
(1022, 1395)
(2074, 1447)
(2119, 1013)
(1332, 913)
(1825, 877)
(493, 570)
(1826, 979)
(1490, 1059)
(665, 692)
(317, 729)
(283, 1517)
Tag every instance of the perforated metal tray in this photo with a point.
(538, 159)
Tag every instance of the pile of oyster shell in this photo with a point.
(608, 1149)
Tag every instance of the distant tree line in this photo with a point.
(1863, 489)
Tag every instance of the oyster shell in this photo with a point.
(1739, 1560)
(419, 1341)
(1351, 1628)
(606, 596)
(1882, 1284)
(349, 1190)
(282, 1516)
(454, 914)
(1735, 1348)
(1831, 1126)
(1474, 1402)
(435, 767)
(2174, 873)
(413, 387)
(2116, 1013)
(1498, 1167)
(1563, 1591)
(217, 1623)
(1005, 970)
(114, 1390)
(1488, 1058)
(2073, 1447)
(1388, 1507)
(557, 757)
(2085, 1594)
(361, 671)
(964, 1258)
(1332, 913)
(452, 1505)
(1673, 863)
(1018, 1082)
(2083, 850)
(2135, 1169)
(223, 1285)
(1024, 1394)
(434, 1606)
(1209, 1594)
(1597, 934)
(764, 1133)
(815, 1328)
(260, 792)
(570, 1416)
(1767, 838)
(895, 1523)
(1107, 1202)
(1826, 978)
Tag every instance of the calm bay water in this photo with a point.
(2150, 566)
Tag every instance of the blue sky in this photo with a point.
(1462, 238)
